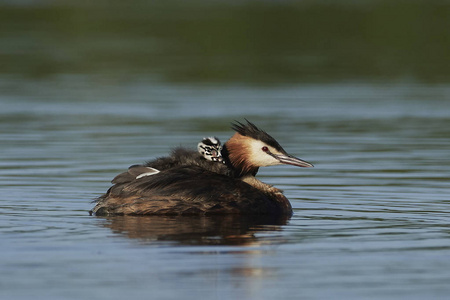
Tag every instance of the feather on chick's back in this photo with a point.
(179, 157)
(185, 157)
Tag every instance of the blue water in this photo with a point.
(370, 220)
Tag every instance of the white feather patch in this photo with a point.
(152, 171)
(213, 140)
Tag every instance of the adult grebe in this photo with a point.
(198, 183)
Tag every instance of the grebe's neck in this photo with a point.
(236, 160)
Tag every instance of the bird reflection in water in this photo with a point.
(191, 230)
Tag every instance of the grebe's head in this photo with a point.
(250, 148)
(211, 149)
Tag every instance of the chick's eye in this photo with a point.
(265, 149)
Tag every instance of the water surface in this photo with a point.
(370, 219)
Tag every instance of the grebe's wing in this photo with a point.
(134, 172)
(186, 190)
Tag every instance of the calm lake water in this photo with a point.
(371, 220)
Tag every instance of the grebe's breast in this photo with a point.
(185, 190)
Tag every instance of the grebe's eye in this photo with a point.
(265, 149)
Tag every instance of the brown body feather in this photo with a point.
(190, 190)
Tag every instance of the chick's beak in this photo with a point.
(291, 160)
(216, 156)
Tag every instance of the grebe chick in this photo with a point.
(209, 150)
(185, 183)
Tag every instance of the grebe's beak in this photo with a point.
(291, 160)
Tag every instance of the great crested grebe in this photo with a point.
(212, 180)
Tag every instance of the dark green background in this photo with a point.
(251, 42)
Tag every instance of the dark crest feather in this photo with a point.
(254, 132)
